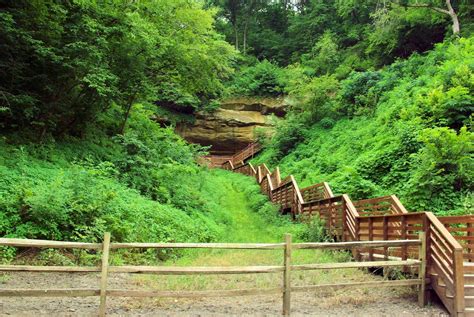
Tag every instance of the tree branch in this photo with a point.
(450, 12)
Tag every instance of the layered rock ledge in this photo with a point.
(235, 124)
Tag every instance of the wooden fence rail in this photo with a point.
(105, 269)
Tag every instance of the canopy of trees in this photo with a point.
(63, 62)
(375, 31)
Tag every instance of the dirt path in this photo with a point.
(375, 302)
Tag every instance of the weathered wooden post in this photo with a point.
(287, 277)
(422, 269)
(104, 273)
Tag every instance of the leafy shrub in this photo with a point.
(350, 181)
(359, 93)
(324, 56)
(262, 79)
(315, 231)
(327, 123)
(442, 168)
(313, 99)
(290, 133)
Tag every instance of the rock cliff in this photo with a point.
(234, 124)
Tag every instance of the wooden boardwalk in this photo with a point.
(450, 240)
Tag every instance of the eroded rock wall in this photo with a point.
(234, 125)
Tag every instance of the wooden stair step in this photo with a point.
(468, 312)
(441, 282)
(468, 268)
(468, 278)
(448, 294)
(469, 301)
(469, 290)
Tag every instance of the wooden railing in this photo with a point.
(214, 160)
(338, 214)
(228, 165)
(380, 206)
(445, 258)
(103, 291)
(317, 192)
(382, 218)
(391, 227)
(247, 152)
(462, 229)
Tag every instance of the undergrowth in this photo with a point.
(405, 129)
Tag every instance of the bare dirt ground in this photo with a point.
(357, 302)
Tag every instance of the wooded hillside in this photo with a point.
(381, 96)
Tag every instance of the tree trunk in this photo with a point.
(127, 114)
(246, 25)
(454, 18)
(236, 30)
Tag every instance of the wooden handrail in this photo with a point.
(398, 204)
(297, 190)
(454, 278)
(442, 229)
(249, 151)
(328, 189)
(276, 176)
(51, 244)
(252, 169)
(265, 169)
(350, 205)
(393, 215)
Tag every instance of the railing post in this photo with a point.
(385, 237)
(459, 282)
(357, 254)
(427, 231)
(286, 276)
(344, 219)
(469, 234)
(104, 273)
(371, 238)
(422, 269)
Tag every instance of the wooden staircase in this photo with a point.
(469, 289)
(450, 240)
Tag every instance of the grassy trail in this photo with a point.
(248, 225)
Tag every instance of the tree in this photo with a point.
(435, 6)
(63, 63)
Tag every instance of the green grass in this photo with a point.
(250, 225)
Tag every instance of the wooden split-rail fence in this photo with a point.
(286, 288)
(450, 239)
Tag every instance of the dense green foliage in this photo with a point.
(140, 186)
(372, 30)
(381, 97)
(63, 63)
(404, 129)
(332, 37)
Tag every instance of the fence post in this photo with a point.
(286, 276)
(104, 272)
(422, 269)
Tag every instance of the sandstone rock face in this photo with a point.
(234, 125)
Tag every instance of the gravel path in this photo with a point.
(373, 302)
